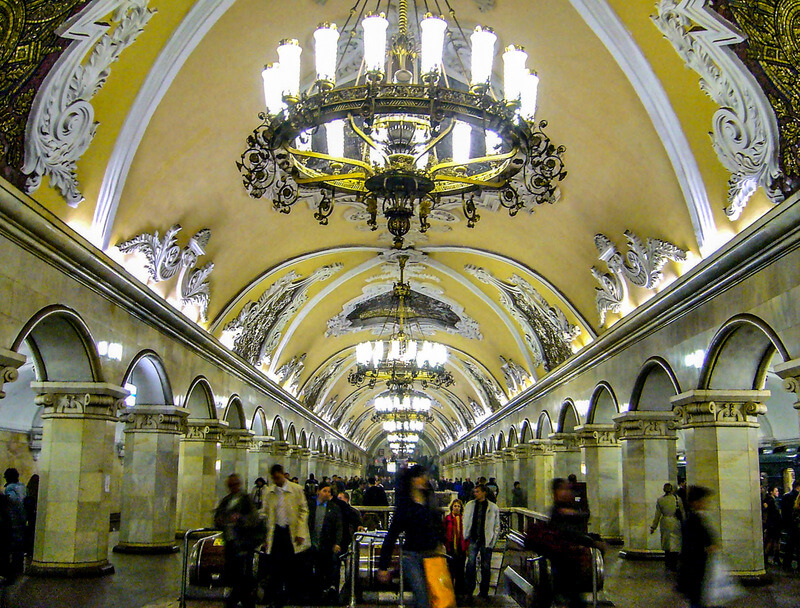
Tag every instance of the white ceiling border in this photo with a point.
(608, 27)
(192, 30)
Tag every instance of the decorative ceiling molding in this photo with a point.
(61, 124)
(642, 267)
(608, 27)
(744, 129)
(548, 332)
(255, 332)
(288, 374)
(203, 15)
(493, 396)
(516, 377)
(319, 382)
(165, 258)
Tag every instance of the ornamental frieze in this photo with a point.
(237, 439)
(541, 447)
(646, 425)
(564, 442)
(261, 443)
(156, 419)
(211, 431)
(59, 402)
(9, 363)
(597, 436)
(735, 408)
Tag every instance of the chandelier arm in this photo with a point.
(435, 140)
(366, 138)
(463, 36)
(335, 159)
(472, 161)
(352, 29)
(326, 179)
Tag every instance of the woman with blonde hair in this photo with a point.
(456, 545)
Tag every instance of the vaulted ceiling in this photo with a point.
(512, 298)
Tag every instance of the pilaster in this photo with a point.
(197, 472)
(259, 457)
(75, 470)
(721, 432)
(567, 457)
(601, 453)
(648, 442)
(509, 469)
(233, 459)
(10, 362)
(540, 496)
(150, 478)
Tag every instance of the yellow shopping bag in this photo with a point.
(440, 586)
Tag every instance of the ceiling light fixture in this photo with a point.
(407, 136)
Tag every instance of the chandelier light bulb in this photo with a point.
(289, 58)
(273, 88)
(530, 88)
(363, 353)
(462, 141)
(394, 350)
(514, 71)
(326, 43)
(483, 40)
(432, 32)
(375, 41)
(334, 131)
(493, 143)
(377, 353)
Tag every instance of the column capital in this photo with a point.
(789, 372)
(646, 425)
(237, 439)
(261, 443)
(597, 436)
(523, 450)
(542, 446)
(698, 408)
(279, 447)
(564, 442)
(88, 400)
(155, 419)
(509, 454)
(205, 429)
(10, 362)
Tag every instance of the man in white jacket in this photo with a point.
(481, 529)
(285, 511)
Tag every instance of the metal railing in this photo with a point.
(185, 572)
(355, 555)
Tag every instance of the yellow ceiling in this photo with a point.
(620, 177)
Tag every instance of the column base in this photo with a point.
(144, 549)
(752, 579)
(613, 540)
(52, 569)
(641, 555)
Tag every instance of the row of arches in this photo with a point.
(739, 357)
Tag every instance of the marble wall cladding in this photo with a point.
(232, 460)
(647, 464)
(604, 490)
(197, 484)
(568, 461)
(727, 463)
(15, 452)
(538, 483)
(150, 490)
(74, 493)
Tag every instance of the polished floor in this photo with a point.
(154, 582)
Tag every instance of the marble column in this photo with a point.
(648, 442)
(197, 473)
(10, 362)
(259, 457)
(233, 459)
(540, 495)
(75, 468)
(789, 372)
(603, 458)
(150, 478)
(510, 469)
(524, 471)
(303, 454)
(567, 457)
(293, 460)
(315, 465)
(721, 431)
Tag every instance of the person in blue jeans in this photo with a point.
(481, 529)
(417, 515)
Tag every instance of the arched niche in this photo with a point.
(603, 405)
(525, 434)
(291, 434)
(61, 345)
(654, 386)
(472, 451)
(492, 445)
(501, 441)
(234, 413)
(303, 439)
(740, 355)
(200, 400)
(277, 429)
(484, 448)
(544, 426)
(146, 372)
(320, 445)
(512, 437)
(259, 423)
(568, 417)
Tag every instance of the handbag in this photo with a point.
(678, 512)
(440, 585)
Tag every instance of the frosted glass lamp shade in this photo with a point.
(514, 71)
(527, 102)
(482, 40)
(334, 131)
(326, 43)
(462, 141)
(273, 88)
(289, 58)
(375, 41)
(432, 31)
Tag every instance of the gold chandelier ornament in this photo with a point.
(404, 138)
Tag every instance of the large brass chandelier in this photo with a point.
(405, 136)
(401, 361)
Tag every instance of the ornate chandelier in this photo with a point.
(405, 137)
(401, 361)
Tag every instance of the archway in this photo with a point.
(568, 417)
(655, 385)
(259, 423)
(200, 400)
(234, 413)
(544, 425)
(603, 405)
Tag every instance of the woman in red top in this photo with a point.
(456, 545)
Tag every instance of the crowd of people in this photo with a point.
(780, 517)
(17, 522)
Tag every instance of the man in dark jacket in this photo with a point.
(375, 496)
(326, 526)
(787, 505)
